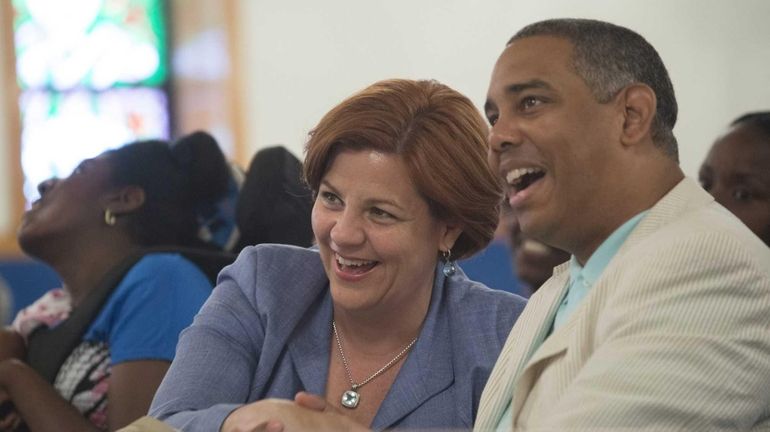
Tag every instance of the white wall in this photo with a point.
(301, 57)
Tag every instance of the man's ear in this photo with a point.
(640, 105)
(125, 200)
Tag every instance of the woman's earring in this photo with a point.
(109, 217)
(449, 265)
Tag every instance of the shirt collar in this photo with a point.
(604, 253)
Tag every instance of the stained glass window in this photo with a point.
(93, 75)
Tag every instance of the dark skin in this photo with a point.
(591, 155)
(736, 173)
(65, 229)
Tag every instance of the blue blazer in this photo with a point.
(266, 330)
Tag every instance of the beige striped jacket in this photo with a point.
(675, 335)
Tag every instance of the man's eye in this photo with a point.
(742, 194)
(705, 183)
(492, 119)
(529, 102)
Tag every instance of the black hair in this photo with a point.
(759, 119)
(176, 178)
(609, 57)
(274, 205)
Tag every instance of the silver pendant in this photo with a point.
(350, 399)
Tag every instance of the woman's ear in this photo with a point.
(125, 200)
(450, 233)
(640, 105)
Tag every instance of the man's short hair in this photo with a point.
(608, 58)
(760, 120)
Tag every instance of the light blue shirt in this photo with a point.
(581, 279)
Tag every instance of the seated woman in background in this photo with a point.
(378, 318)
(274, 204)
(737, 172)
(86, 226)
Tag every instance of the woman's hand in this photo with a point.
(278, 415)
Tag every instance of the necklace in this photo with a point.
(351, 398)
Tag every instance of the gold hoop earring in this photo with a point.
(109, 218)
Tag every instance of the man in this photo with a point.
(661, 318)
(736, 171)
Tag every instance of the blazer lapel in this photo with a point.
(554, 344)
(687, 194)
(526, 336)
(427, 371)
(428, 368)
(309, 347)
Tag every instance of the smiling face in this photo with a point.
(67, 208)
(736, 173)
(553, 144)
(377, 239)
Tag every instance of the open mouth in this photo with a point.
(353, 266)
(522, 178)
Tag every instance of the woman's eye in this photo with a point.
(380, 213)
(330, 198)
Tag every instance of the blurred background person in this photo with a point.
(736, 171)
(533, 260)
(274, 204)
(494, 266)
(93, 227)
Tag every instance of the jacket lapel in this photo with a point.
(526, 336)
(687, 194)
(556, 343)
(428, 368)
(309, 346)
(427, 371)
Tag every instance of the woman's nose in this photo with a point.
(347, 230)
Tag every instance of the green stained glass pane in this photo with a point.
(94, 44)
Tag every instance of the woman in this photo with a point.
(736, 172)
(378, 318)
(274, 204)
(86, 226)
